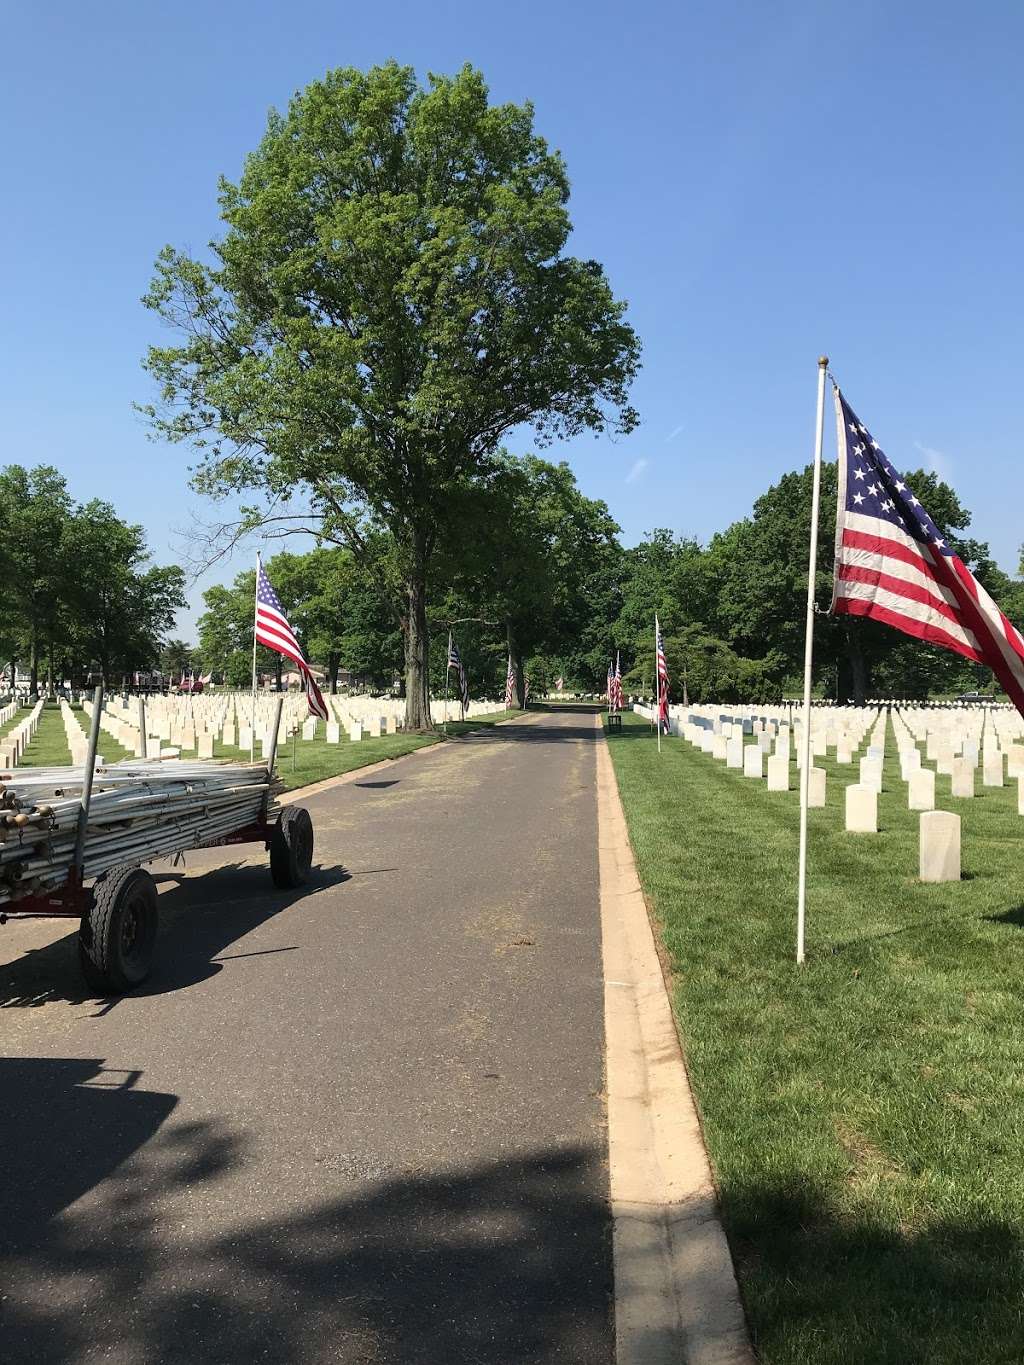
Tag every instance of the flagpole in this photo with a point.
(255, 614)
(805, 738)
(657, 682)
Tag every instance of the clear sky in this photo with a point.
(763, 182)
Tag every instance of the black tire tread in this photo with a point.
(286, 868)
(100, 970)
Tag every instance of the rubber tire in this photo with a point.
(117, 937)
(291, 847)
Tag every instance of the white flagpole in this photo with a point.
(657, 681)
(805, 738)
(255, 611)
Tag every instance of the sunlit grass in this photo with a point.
(863, 1113)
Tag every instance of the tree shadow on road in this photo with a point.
(533, 734)
(105, 1248)
(199, 918)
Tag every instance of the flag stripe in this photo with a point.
(914, 575)
(862, 600)
(898, 587)
(893, 564)
(932, 635)
(1000, 654)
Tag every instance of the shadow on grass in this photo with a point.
(1014, 917)
(488, 1263)
(824, 1285)
(199, 918)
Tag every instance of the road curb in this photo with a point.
(676, 1297)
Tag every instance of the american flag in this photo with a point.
(455, 661)
(526, 691)
(510, 684)
(659, 646)
(617, 684)
(273, 630)
(893, 564)
(610, 689)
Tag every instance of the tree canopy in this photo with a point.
(80, 595)
(391, 297)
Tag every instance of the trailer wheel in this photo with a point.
(291, 847)
(118, 935)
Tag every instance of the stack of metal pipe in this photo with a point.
(138, 811)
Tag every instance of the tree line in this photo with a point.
(539, 574)
(80, 595)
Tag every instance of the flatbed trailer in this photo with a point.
(117, 911)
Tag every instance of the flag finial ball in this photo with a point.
(823, 361)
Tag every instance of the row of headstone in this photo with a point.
(939, 831)
(14, 743)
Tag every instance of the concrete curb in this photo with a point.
(676, 1297)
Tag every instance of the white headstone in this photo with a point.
(309, 728)
(921, 790)
(816, 788)
(333, 732)
(871, 772)
(734, 753)
(753, 758)
(719, 747)
(992, 771)
(940, 846)
(778, 773)
(861, 809)
(392, 725)
(205, 745)
(963, 777)
(355, 731)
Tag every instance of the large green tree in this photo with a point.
(390, 297)
(79, 591)
(35, 510)
(117, 606)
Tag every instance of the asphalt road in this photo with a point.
(362, 1122)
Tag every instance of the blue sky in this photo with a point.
(762, 183)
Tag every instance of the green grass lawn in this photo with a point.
(864, 1113)
(49, 747)
(301, 762)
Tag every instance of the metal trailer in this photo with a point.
(117, 913)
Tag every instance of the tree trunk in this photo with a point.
(860, 673)
(333, 664)
(33, 667)
(278, 661)
(416, 637)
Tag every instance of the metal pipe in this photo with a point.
(90, 768)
